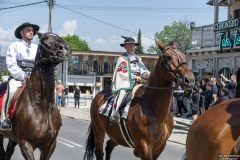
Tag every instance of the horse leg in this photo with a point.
(157, 152)
(27, 150)
(144, 151)
(2, 151)
(10, 149)
(46, 151)
(99, 135)
(109, 148)
(99, 139)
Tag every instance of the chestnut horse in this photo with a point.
(36, 120)
(214, 135)
(149, 120)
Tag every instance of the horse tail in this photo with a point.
(90, 145)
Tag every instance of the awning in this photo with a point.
(79, 84)
(70, 83)
(89, 84)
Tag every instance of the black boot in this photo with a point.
(6, 125)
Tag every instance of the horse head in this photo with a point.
(55, 50)
(175, 65)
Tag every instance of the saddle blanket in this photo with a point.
(14, 99)
(107, 108)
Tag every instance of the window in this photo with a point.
(236, 13)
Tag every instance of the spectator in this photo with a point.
(76, 93)
(224, 96)
(209, 76)
(59, 90)
(173, 106)
(194, 99)
(213, 81)
(179, 96)
(208, 94)
(65, 95)
(202, 93)
(229, 84)
(219, 85)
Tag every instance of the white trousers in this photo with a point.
(13, 85)
(119, 98)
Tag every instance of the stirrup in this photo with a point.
(8, 125)
(115, 118)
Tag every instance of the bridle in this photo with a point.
(53, 57)
(174, 72)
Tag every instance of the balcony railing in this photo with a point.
(204, 36)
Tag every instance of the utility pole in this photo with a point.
(50, 5)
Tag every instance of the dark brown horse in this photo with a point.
(149, 120)
(36, 121)
(215, 133)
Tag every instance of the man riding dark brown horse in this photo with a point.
(19, 52)
(36, 121)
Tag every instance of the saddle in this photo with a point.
(107, 108)
(13, 101)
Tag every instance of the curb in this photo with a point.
(81, 114)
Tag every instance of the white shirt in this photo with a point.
(135, 67)
(19, 51)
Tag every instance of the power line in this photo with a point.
(30, 4)
(102, 21)
(141, 9)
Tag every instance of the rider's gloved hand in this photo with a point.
(137, 78)
(27, 79)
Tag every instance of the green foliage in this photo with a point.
(178, 32)
(6, 73)
(139, 49)
(1, 75)
(76, 43)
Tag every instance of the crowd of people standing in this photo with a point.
(204, 95)
(62, 94)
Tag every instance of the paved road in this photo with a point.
(72, 135)
(71, 141)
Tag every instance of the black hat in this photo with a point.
(17, 31)
(129, 40)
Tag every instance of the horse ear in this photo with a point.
(174, 44)
(161, 46)
(39, 34)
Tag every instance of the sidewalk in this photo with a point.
(83, 113)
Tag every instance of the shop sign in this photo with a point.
(226, 24)
(226, 41)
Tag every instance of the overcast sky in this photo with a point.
(102, 23)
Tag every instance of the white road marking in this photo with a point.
(78, 145)
(65, 143)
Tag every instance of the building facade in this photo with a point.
(215, 48)
(93, 71)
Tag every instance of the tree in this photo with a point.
(139, 49)
(6, 73)
(76, 43)
(178, 32)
